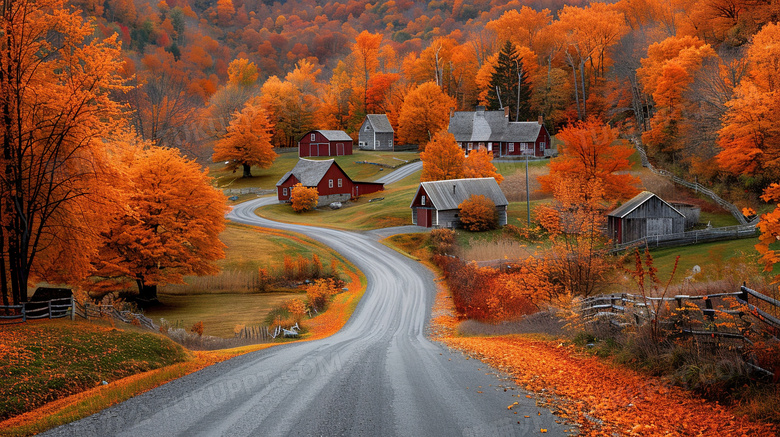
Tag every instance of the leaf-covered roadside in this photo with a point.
(603, 399)
(44, 361)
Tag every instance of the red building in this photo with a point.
(325, 143)
(492, 131)
(332, 183)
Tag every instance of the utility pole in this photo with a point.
(527, 192)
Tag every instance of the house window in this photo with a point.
(511, 147)
(543, 144)
(469, 146)
(330, 183)
(284, 191)
(313, 137)
(422, 200)
(339, 182)
(368, 128)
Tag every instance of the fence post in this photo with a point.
(49, 310)
(744, 295)
(24, 312)
(72, 308)
(86, 310)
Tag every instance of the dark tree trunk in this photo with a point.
(247, 170)
(147, 294)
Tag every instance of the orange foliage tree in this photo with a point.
(57, 82)
(168, 226)
(478, 213)
(303, 198)
(442, 158)
(478, 165)
(750, 135)
(591, 151)
(247, 141)
(425, 111)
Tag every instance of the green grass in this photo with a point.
(717, 220)
(267, 178)
(220, 313)
(507, 168)
(709, 256)
(45, 360)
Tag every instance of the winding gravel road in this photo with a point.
(378, 376)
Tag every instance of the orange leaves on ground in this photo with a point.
(339, 310)
(303, 198)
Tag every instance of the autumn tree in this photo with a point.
(591, 151)
(425, 111)
(509, 85)
(303, 198)
(750, 135)
(365, 54)
(478, 213)
(57, 80)
(247, 141)
(168, 227)
(442, 158)
(478, 164)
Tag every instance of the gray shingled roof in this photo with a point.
(443, 196)
(309, 172)
(335, 135)
(380, 123)
(484, 126)
(635, 202)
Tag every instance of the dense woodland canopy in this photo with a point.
(696, 80)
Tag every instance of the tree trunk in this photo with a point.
(147, 294)
(247, 170)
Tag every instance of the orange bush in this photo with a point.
(478, 213)
(320, 292)
(197, 328)
(303, 198)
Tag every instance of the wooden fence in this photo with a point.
(254, 333)
(690, 237)
(626, 309)
(694, 186)
(51, 309)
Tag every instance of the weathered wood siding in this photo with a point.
(652, 217)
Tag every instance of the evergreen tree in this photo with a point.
(508, 76)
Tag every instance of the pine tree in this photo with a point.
(508, 75)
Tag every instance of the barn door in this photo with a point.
(339, 149)
(313, 149)
(424, 217)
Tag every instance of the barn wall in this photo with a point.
(502, 217)
(289, 183)
(334, 173)
(385, 140)
(448, 218)
(653, 217)
(366, 137)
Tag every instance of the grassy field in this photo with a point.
(393, 210)
(220, 313)
(267, 178)
(41, 361)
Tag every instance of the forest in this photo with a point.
(94, 90)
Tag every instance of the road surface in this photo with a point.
(378, 376)
(400, 173)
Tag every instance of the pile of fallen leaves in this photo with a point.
(602, 398)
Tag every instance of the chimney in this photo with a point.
(452, 111)
(453, 188)
(541, 120)
(506, 111)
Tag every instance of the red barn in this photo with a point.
(332, 183)
(325, 143)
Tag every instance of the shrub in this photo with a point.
(303, 198)
(197, 328)
(442, 240)
(320, 292)
(478, 213)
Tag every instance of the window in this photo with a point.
(284, 191)
(511, 147)
(313, 137)
(543, 144)
(330, 183)
(422, 200)
(368, 128)
(339, 182)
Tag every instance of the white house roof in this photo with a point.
(493, 126)
(335, 135)
(637, 201)
(448, 194)
(380, 122)
(309, 172)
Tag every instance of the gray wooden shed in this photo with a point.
(645, 215)
(436, 202)
(376, 133)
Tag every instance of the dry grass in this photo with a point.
(514, 184)
(480, 250)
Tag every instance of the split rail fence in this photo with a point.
(68, 307)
